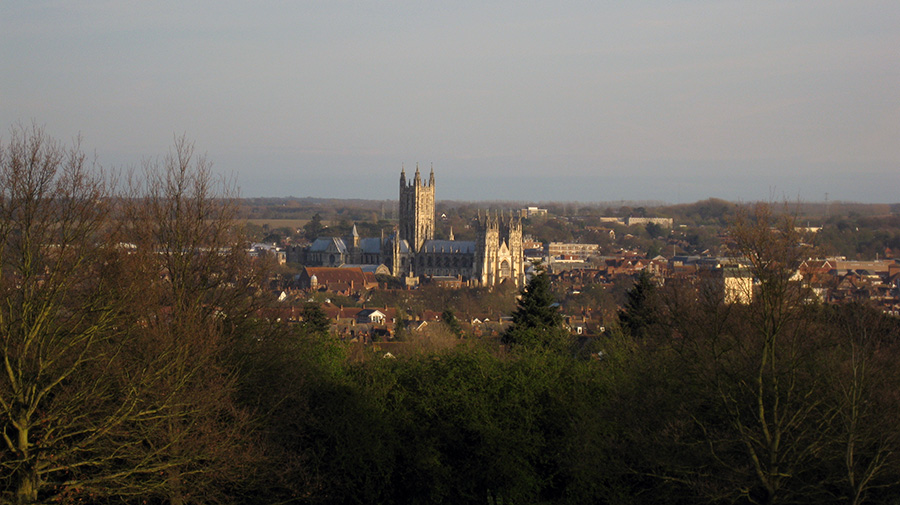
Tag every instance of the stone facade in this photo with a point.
(499, 254)
(416, 210)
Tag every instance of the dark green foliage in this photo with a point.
(313, 320)
(537, 322)
(641, 311)
(549, 229)
(313, 228)
(537, 307)
(654, 230)
(449, 319)
(471, 428)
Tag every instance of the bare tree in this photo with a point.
(114, 324)
(186, 217)
(866, 442)
(753, 370)
(58, 320)
(198, 285)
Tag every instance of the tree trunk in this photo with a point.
(27, 485)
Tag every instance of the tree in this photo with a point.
(313, 320)
(60, 320)
(449, 320)
(198, 288)
(864, 449)
(401, 332)
(537, 322)
(313, 228)
(641, 311)
(752, 371)
(293, 379)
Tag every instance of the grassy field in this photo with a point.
(279, 223)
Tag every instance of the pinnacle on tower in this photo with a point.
(431, 177)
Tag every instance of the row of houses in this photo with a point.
(829, 280)
(841, 281)
(380, 324)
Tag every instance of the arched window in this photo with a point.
(504, 270)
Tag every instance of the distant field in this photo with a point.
(279, 223)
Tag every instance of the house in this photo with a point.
(370, 316)
(336, 280)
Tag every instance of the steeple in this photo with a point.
(402, 176)
(418, 179)
(431, 177)
(354, 237)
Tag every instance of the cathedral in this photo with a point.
(495, 256)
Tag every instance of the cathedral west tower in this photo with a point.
(416, 210)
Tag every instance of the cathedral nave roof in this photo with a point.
(328, 244)
(449, 246)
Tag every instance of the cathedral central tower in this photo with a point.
(416, 210)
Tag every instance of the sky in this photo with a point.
(520, 100)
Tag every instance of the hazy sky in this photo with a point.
(516, 100)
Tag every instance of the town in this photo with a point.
(373, 287)
(165, 342)
(426, 253)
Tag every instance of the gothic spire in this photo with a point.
(431, 177)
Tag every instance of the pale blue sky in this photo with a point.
(517, 100)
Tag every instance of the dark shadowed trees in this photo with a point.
(863, 453)
(642, 307)
(748, 374)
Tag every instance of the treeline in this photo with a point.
(782, 400)
(135, 370)
(123, 301)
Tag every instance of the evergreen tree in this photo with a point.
(315, 322)
(401, 333)
(313, 228)
(640, 311)
(537, 321)
(449, 319)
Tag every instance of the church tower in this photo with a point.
(416, 210)
(487, 240)
(499, 255)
